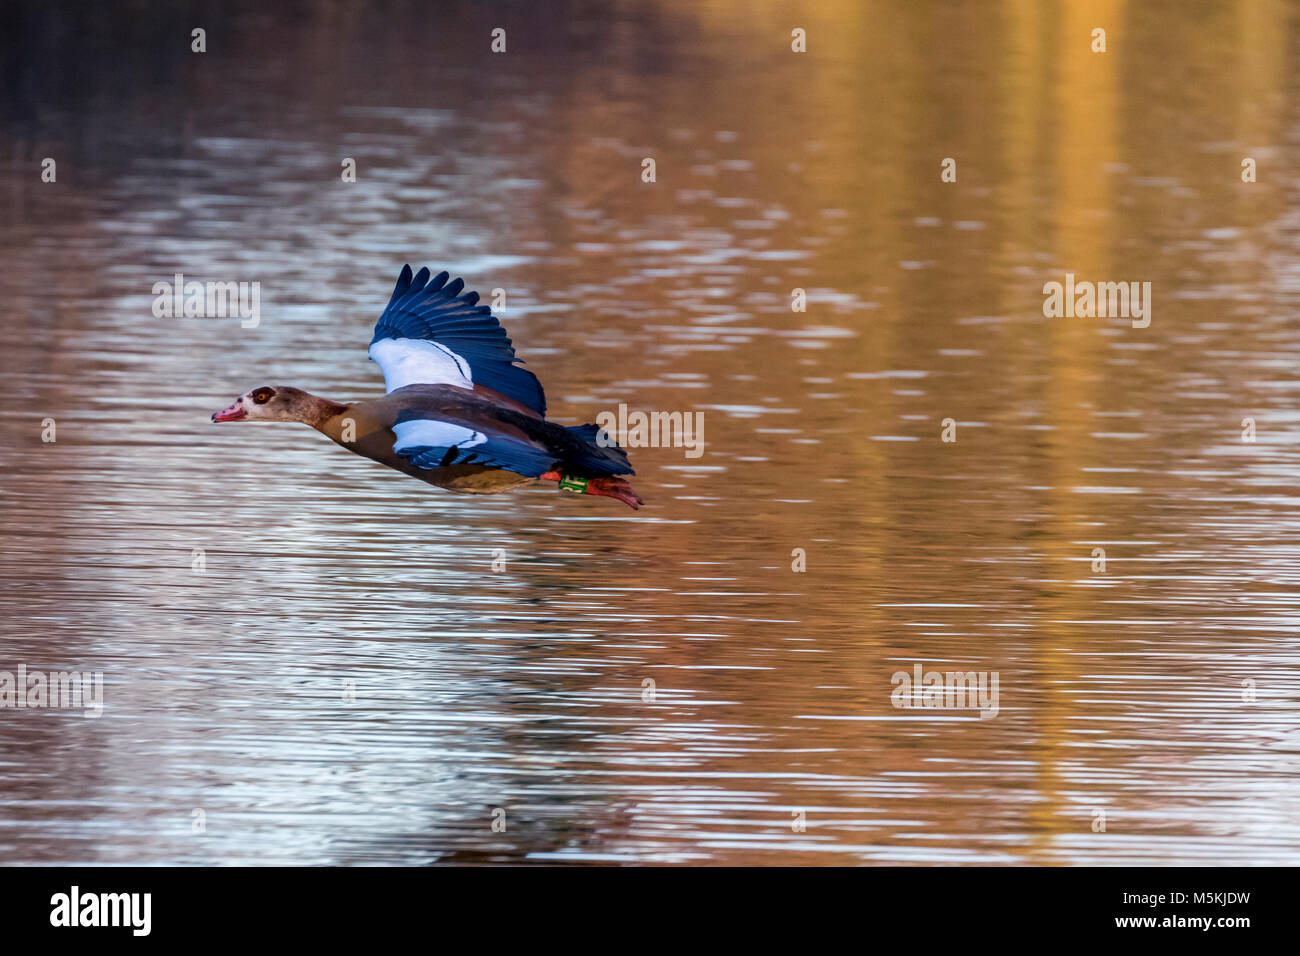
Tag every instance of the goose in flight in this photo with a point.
(459, 412)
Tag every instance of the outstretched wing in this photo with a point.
(429, 443)
(432, 334)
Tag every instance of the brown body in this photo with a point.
(371, 428)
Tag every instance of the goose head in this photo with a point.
(269, 403)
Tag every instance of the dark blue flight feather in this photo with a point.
(433, 309)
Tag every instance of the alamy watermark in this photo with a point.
(63, 690)
(637, 429)
(211, 300)
(946, 690)
(1099, 300)
(75, 908)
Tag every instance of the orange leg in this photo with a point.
(607, 487)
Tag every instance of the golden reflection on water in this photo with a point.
(524, 689)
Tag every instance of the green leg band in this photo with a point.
(574, 484)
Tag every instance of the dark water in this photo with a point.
(325, 577)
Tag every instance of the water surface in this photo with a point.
(346, 679)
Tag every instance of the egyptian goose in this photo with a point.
(459, 413)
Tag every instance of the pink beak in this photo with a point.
(234, 413)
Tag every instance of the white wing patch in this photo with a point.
(425, 432)
(429, 433)
(418, 362)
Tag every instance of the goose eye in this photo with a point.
(262, 396)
